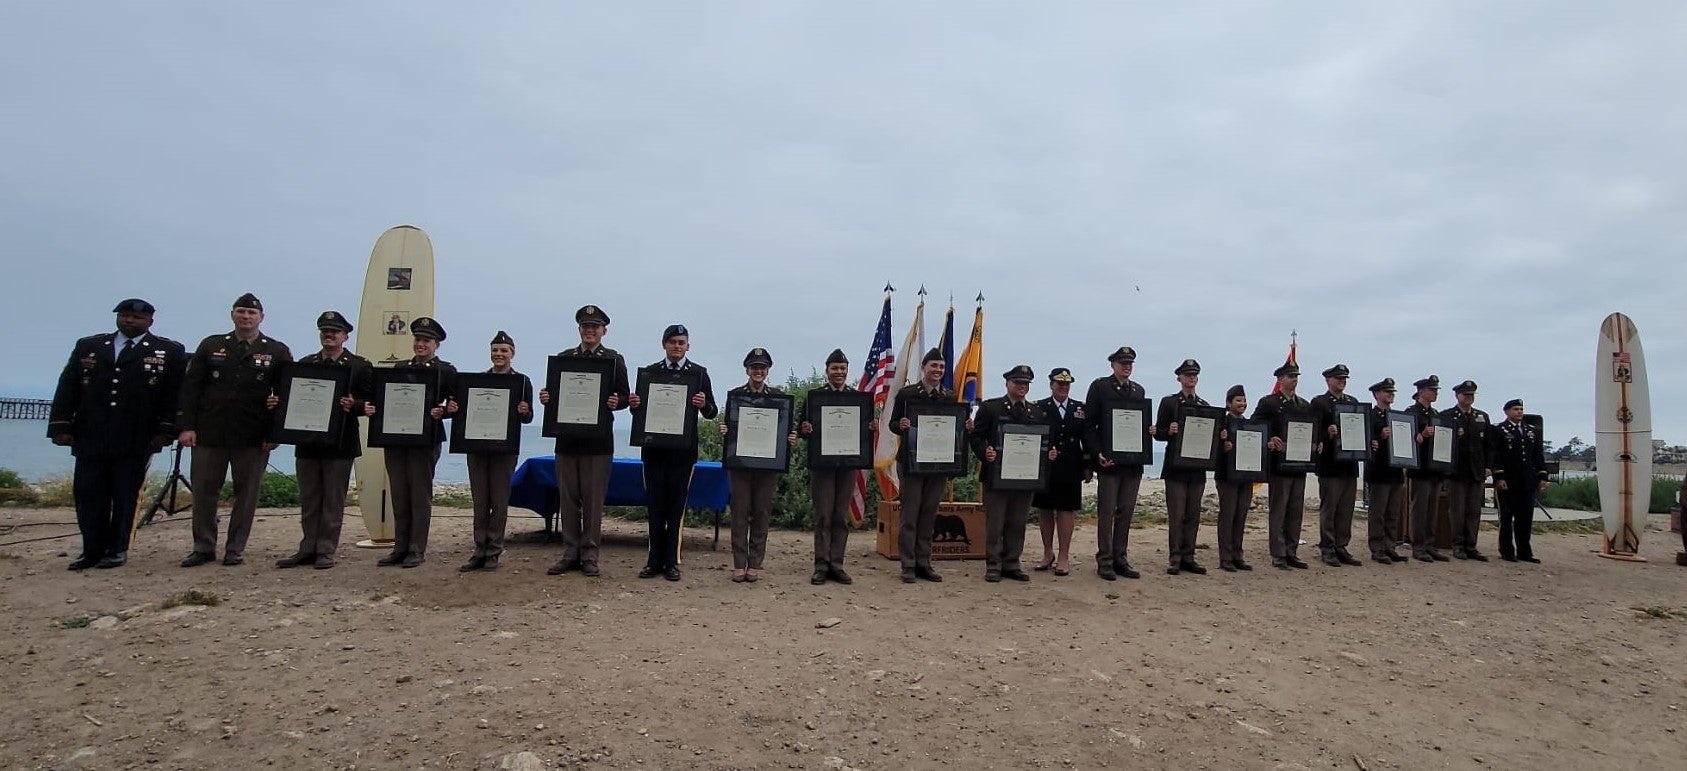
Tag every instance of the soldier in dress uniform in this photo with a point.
(1338, 480)
(1117, 483)
(1286, 490)
(583, 462)
(830, 488)
(1057, 506)
(224, 418)
(667, 470)
(1519, 466)
(752, 489)
(1425, 482)
(410, 469)
(1005, 511)
(1386, 481)
(1184, 486)
(1470, 470)
(920, 493)
(1234, 497)
(324, 470)
(115, 406)
(489, 473)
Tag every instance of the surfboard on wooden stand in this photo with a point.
(1622, 427)
(397, 287)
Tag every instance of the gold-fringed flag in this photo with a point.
(969, 369)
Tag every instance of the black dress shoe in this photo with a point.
(474, 563)
(1107, 573)
(837, 574)
(1240, 565)
(1279, 563)
(1228, 567)
(908, 576)
(1296, 563)
(1438, 556)
(1172, 570)
(1476, 556)
(392, 558)
(1347, 559)
(561, 566)
(412, 560)
(232, 558)
(113, 561)
(649, 572)
(992, 577)
(672, 574)
(1394, 555)
(1458, 554)
(83, 562)
(1191, 566)
(295, 560)
(1331, 560)
(818, 578)
(1422, 556)
(324, 561)
(1378, 556)
(928, 574)
(590, 570)
(491, 563)
(1508, 558)
(1127, 571)
(1531, 559)
(197, 558)
(1016, 575)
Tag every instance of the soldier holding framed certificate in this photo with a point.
(588, 386)
(410, 469)
(1006, 456)
(754, 430)
(489, 471)
(1286, 412)
(1425, 481)
(1244, 447)
(1386, 482)
(1117, 482)
(920, 491)
(324, 470)
(837, 421)
(669, 461)
(1338, 477)
(1186, 482)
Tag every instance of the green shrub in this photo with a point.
(1583, 494)
(276, 491)
(10, 479)
(58, 491)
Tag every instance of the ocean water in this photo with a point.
(24, 448)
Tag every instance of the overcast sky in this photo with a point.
(1456, 188)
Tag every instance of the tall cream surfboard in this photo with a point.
(1623, 430)
(397, 288)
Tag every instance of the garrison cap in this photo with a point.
(675, 330)
(1429, 382)
(1514, 403)
(1385, 384)
(1020, 373)
(426, 327)
(1188, 367)
(1060, 375)
(1235, 391)
(503, 338)
(591, 314)
(135, 305)
(1125, 354)
(837, 357)
(249, 300)
(333, 320)
(758, 356)
(931, 355)
(1467, 387)
(1339, 370)
(1289, 369)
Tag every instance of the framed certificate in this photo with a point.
(402, 399)
(1401, 446)
(1124, 432)
(1022, 457)
(665, 417)
(937, 439)
(842, 437)
(758, 427)
(1299, 434)
(486, 419)
(580, 388)
(1353, 432)
(1196, 445)
(309, 412)
(1442, 445)
(1247, 460)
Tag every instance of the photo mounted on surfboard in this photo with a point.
(1622, 427)
(397, 287)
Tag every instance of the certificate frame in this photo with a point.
(863, 457)
(687, 438)
(379, 435)
(604, 368)
(1174, 448)
(1123, 458)
(736, 401)
(341, 376)
(510, 444)
(1410, 460)
(956, 463)
(1451, 430)
(1262, 457)
(1284, 464)
(1040, 430)
(1364, 413)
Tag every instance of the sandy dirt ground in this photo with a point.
(1575, 663)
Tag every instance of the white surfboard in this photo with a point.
(397, 288)
(1622, 426)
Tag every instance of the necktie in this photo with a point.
(127, 344)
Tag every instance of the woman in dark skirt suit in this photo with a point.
(1058, 506)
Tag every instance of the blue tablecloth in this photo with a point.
(533, 486)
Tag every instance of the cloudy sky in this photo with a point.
(1433, 187)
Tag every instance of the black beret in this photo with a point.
(591, 314)
(1125, 354)
(1235, 391)
(1385, 384)
(675, 330)
(333, 320)
(135, 305)
(932, 355)
(1467, 387)
(758, 356)
(1286, 370)
(1188, 367)
(1429, 382)
(1514, 403)
(248, 300)
(837, 357)
(428, 328)
(1339, 370)
(502, 338)
(1060, 375)
(1020, 372)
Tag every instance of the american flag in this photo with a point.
(876, 376)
